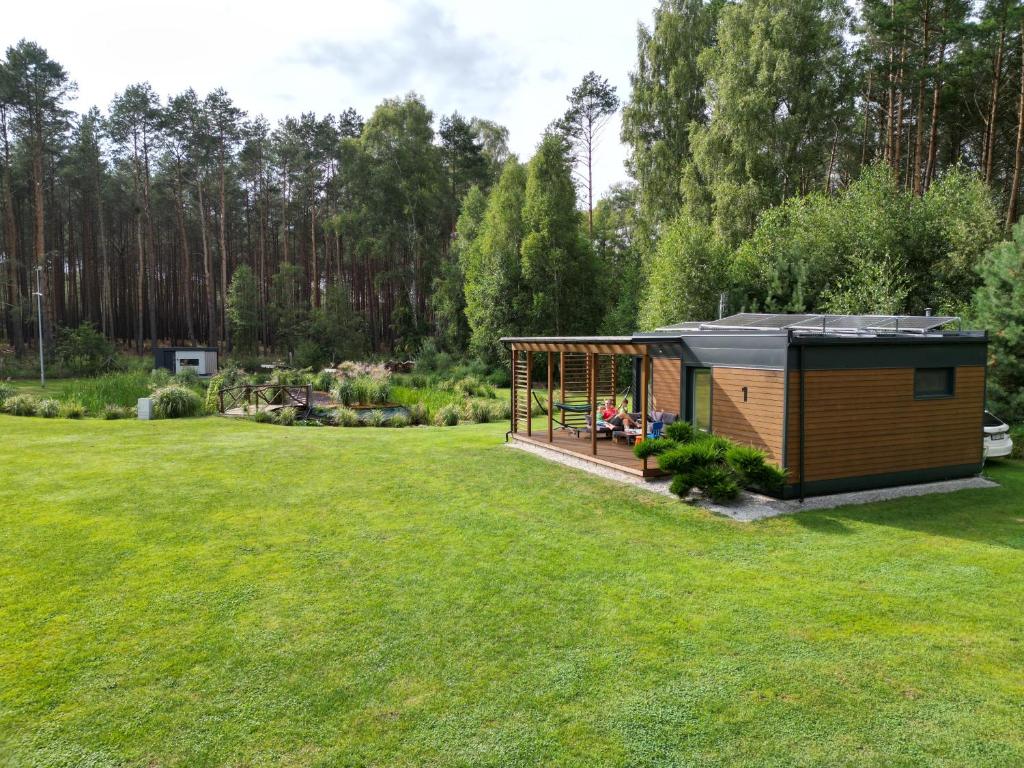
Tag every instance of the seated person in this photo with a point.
(616, 418)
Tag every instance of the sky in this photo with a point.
(514, 63)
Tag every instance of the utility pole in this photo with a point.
(39, 324)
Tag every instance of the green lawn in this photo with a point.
(208, 592)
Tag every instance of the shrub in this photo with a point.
(479, 411)
(288, 377)
(285, 416)
(344, 391)
(84, 350)
(418, 413)
(686, 458)
(175, 402)
(376, 418)
(1017, 435)
(646, 448)
(159, 377)
(716, 481)
(111, 412)
(262, 417)
(346, 417)
(720, 445)
(229, 376)
(20, 405)
(322, 381)
(187, 378)
(48, 409)
(72, 409)
(448, 416)
(501, 410)
(681, 486)
(680, 431)
(378, 389)
(399, 420)
(746, 460)
(769, 477)
(6, 390)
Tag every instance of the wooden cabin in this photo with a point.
(841, 402)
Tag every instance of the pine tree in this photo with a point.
(999, 308)
(243, 309)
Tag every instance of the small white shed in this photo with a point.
(202, 360)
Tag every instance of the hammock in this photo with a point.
(567, 408)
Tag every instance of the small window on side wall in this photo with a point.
(932, 383)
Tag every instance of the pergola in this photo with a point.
(586, 372)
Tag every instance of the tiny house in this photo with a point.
(840, 402)
(202, 360)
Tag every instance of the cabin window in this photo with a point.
(931, 383)
(700, 398)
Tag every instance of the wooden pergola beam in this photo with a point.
(600, 349)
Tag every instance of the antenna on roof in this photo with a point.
(721, 305)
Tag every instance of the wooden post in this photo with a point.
(643, 399)
(529, 393)
(551, 382)
(592, 381)
(615, 383)
(561, 377)
(515, 413)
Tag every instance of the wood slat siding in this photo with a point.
(666, 373)
(758, 421)
(867, 422)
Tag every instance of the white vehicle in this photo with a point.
(997, 437)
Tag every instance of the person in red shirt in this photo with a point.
(616, 417)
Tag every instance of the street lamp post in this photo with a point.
(39, 324)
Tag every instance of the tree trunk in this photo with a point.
(140, 291)
(933, 131)
(211, 316)
(990, 128)
(225, 328)
(1011, 208)
(186, 258)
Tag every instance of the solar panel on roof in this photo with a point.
(822, 323)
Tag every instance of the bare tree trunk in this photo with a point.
(140, 291)
(933, 132)
(14, 313)
(186, 257)
(315, 262)
(898, 150)
(225, 328)
(919, 137)
(867, 115)
(1011, 208)
(211, 315)
(990, 128)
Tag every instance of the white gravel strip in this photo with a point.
(754, 506)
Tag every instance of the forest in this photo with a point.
(790, 154)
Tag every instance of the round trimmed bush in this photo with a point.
(717, 482)
(48, 409)
(21, 405)
(681, 486)
(72, 409)
(646, 448)
(680, 431)
(176, 402)
(684, 459)
(745, 459)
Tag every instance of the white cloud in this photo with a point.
(513, 63)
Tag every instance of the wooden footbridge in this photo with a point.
(247, 399)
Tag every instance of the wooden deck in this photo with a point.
(609, 453)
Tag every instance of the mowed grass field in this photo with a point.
(216, 593)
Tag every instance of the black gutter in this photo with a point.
(800, 352)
